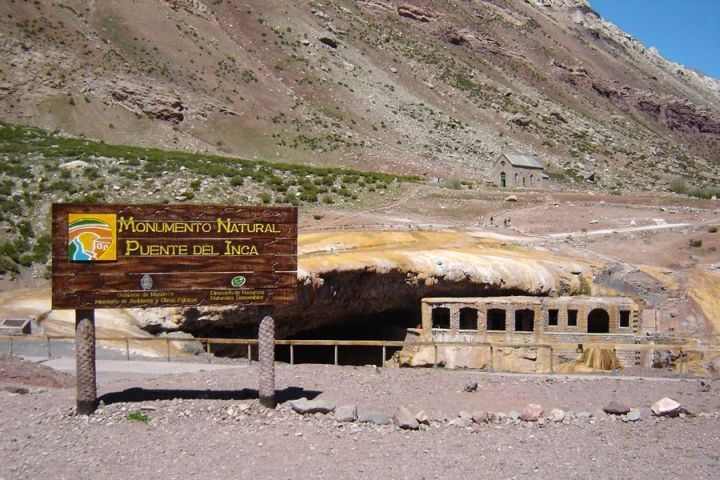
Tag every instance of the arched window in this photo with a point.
(502, 179)
(598, 321)
(523, 181)
(531, 179)
(516, 177)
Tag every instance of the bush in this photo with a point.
(695, 243)
(713, 229)
(265, 197)
(453, 184)
(237, 181)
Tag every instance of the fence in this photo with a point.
(383, 345)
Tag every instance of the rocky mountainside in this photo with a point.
(425, 87)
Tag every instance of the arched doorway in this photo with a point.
(598, 321)
(502, 179)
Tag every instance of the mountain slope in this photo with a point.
(428, 87)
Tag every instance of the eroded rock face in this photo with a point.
(346, 276)
(162, 104)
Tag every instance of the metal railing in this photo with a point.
(207, 344)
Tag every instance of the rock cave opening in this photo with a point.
(390, 326)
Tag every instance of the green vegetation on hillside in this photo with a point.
(34, 173)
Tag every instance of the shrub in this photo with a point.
(695, 243)
(713, 229)
(237, 180)
(137, 416)
(265, 197)
(453, 184)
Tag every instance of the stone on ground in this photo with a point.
(531, 413)
(514, 415)
(634, 415)
(423, 418)
(557, 415)
(304, 406)
(461, 422)
(376, 418)
(480, 416)
(404, 419)
(511, 198)
(616, 408)
(666, 407)
(346, 413)
(496, 417)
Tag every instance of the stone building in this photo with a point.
(518, 171)
(560, 325)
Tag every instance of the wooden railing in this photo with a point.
(381, 344)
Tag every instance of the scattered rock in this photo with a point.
(460, 422)
(304, 406)
(330, 42)
(705, 386)
(616, 408)
(557, 415)
(423, 418)
(514, 415)
(531, 413)
(15, 390)
(496, 417)
(73, 165)
(471, 387)
(633, 415)
(583, 416)
(464, 414)
(346, 413)
(404, 419)
(666, 407)
(414, 12)
(480, 416)
(511, 198)
(376, 418)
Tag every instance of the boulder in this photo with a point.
(514, 415)
(73, 165)
(304, 406)
(616, 408)
(666, 407)
(466, 415)
(404, 419)
(511, 198)
(480, 416)
(460, 422)
(496, 417)
(531, 413)
(414, 12)
(471, 387)
(423, 418)
(583, 416)
(633, 415)
(557, 415)
(376, 418)
(346, 413)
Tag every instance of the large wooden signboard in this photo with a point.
(120, 256)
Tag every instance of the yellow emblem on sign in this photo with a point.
(92, 237)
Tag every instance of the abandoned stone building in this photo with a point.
(564, 322)
(518, 171)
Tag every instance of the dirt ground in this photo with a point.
(210, 425)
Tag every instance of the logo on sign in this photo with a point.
(238, 281)
(92, 237)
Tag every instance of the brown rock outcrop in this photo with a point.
(414, 12)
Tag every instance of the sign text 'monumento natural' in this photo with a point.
(120, 256)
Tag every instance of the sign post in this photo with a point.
(146, 256)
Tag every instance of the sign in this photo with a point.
(124, 256)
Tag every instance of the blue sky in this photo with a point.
(684, 31)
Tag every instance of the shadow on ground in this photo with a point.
(146, 395)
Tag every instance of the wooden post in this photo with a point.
(266, 356)
(336, 354)
(383, 356)
(292, 355)
(85, 361)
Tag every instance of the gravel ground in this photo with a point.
(210, 425)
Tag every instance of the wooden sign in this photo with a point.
(123, 256)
